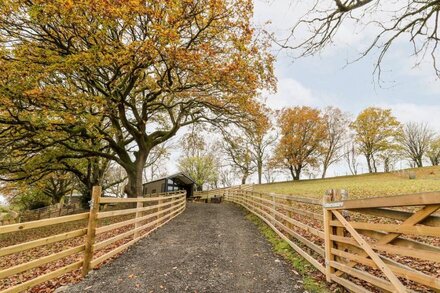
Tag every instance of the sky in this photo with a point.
(330, 78)
(327, 79)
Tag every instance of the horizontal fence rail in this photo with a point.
(111, 226)
(365, 245)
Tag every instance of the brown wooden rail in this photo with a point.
(358, 241)
(104, 233)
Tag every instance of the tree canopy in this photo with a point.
(113, 79)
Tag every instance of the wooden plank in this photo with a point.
(138, 199)
(417, 199)
(378, 282)
(399, 269)
(39, 262)
(133, 211)
(397, 215)
(42, 223)
(43, 241)
(110, 227)
(404, 251)
(137, 224)
(400, 241)
(43, 278)
(299, 224)
(300, 238)
(328, 244)
(394, 228)
(382, 266)
(289, 208)
(91, 229)
(410, 222)
(301, 199)
(350, 285)
(298, 249)
(112, 253)
(131, 232)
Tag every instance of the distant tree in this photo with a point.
(412, 21)
(247, 147)
(415, 139)
(390, 157)
(155, 166)
(238, 153)
(433, 152)
(336, 127)
(57, 185)
(199, 160)
(351, 154)
(375, 132)
(302, 134)
(261, 139)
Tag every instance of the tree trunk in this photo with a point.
(297, 175)
(368, 157)
(292, 172)
(134, 187)
(244, 178)
(324, 170)
(419, 162)
(260, 171)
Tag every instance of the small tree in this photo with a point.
(336, 126)
(375, 132)
(415, 140)
(351, 154)
(199, 161)
(302, 134)
(237, 151)
(433, 152)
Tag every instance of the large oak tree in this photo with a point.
(113, 79)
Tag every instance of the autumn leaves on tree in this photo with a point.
(87, 82)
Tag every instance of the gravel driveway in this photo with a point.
(209, 248)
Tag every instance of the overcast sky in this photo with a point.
(412, 93)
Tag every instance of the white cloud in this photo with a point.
(290, 93)
(407, 112)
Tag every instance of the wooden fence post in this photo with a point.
(139, 205)
(91, 229)
(274, 207)
(159, 202)
(328, 231)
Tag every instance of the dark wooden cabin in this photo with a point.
(174, 182)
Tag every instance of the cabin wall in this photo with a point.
(154, 187)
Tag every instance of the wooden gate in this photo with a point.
(374, 242)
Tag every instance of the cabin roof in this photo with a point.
(180, 176)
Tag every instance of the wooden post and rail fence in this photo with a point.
(103, 233)
(382, 244)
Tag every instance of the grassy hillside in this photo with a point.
(366, 185)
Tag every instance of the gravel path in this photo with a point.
(209, 248)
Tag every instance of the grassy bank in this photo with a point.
(366, 185)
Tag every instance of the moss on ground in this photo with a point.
(312, 281)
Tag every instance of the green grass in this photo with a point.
(310, 276)
(366, 185)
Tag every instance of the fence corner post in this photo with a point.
(328, 231)
(91, 229)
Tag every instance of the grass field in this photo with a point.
(366, 185)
